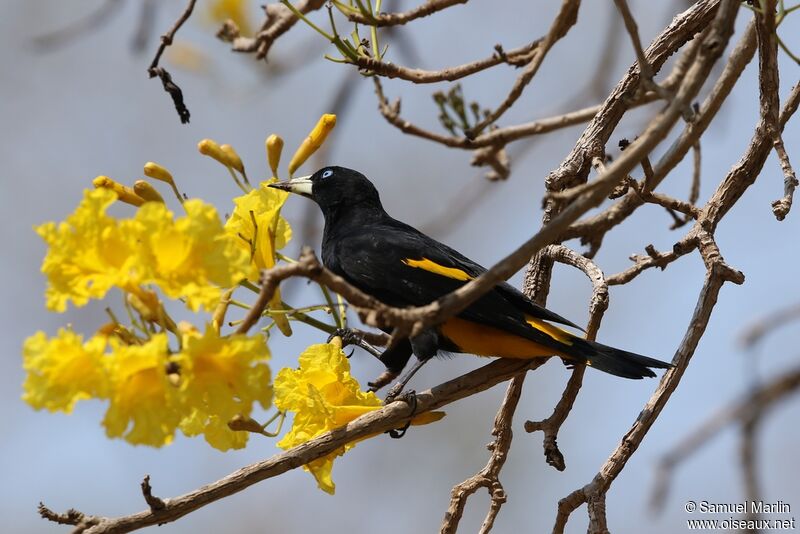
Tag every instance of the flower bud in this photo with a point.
(274, 147)
(157, 172)
(314, 140)
(125, 194)
(210, 148)
(147, 191)
(147, 304)
(233, 158)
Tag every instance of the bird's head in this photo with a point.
(333, 187)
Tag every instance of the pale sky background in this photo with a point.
(88, 108)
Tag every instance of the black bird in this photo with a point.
(401, 266)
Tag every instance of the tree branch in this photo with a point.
(448, 74)
(394, 19)
(597, 307)
(386, 418)
(166, 78)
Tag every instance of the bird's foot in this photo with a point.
(350, 336)
(397, 393)
(347, 335)
(410, 398)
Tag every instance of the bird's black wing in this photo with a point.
(403, 267)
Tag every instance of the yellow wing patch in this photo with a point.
(432, 267)
(562, 336)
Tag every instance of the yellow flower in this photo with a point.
(145, 407)
(314, 140)
(190, 257)
(270, 233)
(261, 234)
(63, 370)
(324, 395)
(274, 145)
(88, 253)
(124, 193)
(224, 377)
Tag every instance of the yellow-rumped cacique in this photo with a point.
(402, 267)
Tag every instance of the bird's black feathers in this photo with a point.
(401, 266)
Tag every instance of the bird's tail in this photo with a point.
(615, 361)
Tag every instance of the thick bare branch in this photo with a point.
(718, 272)
(593, 228)
(386, 418)
(597, 307)
(489, 476)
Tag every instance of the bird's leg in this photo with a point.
(398, 387)
(395, 358)
(425, 346)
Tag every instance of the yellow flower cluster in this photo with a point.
(323, 395)
(190, 257)
(152, 391)
(159, 376)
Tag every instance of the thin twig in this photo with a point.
(565, 19)
(448, 74)
(769, 103)
(394, 19)
(166, 78)
(279, 20)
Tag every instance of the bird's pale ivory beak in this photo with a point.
(300, 185)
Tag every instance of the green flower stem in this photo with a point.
(239, 304)
(285, 258)
(328, 299)
(788, 52)
(236, 179)
(305, 19)
(175, 190)
(793, 8)
(112, 315)
(250, 285)
(310, 321)
(344, 47)
(342, 310)
(281, 417)
(376, 49)
(344, 8)
(304, 309)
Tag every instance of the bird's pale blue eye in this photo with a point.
(327, 174)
